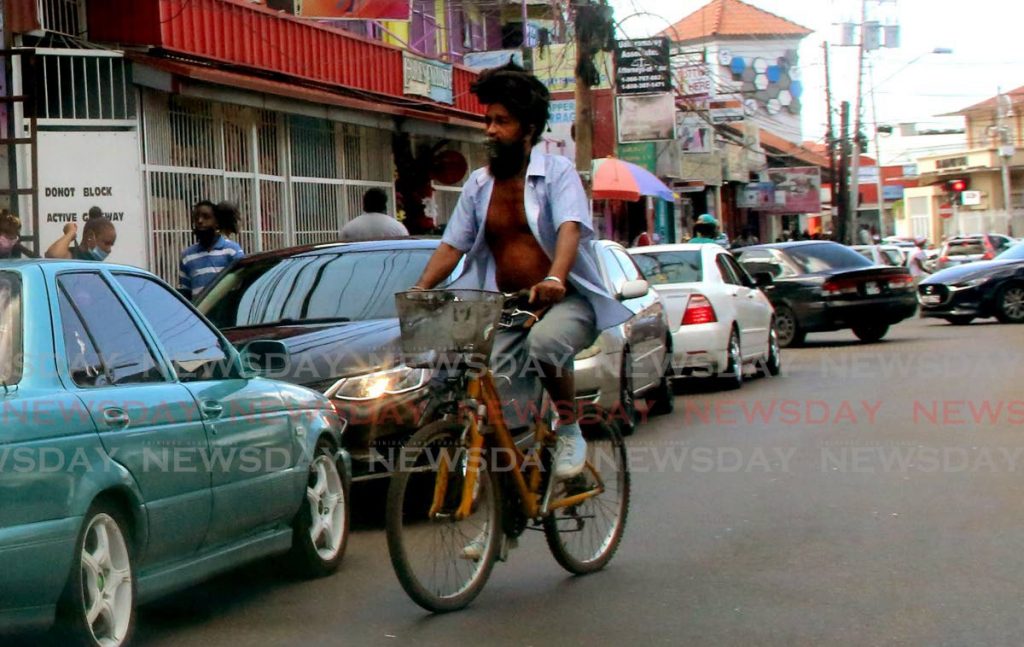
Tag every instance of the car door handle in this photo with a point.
(116, 417)
(212, 410)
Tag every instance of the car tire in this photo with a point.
(870, 333)
(771, 365)
(321, 528)
(626, 416)
(790, 333)
(662, 401)
(731, 377)
(101, 582)
(962, 320)
(1010, 303)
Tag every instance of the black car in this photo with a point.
(333, 307)
(818, 286)
(981, 289)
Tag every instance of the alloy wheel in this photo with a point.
(107, 591)
(326, 499)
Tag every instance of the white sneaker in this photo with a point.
(570, 455)
(474, 550)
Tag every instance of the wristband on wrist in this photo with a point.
(553, 278)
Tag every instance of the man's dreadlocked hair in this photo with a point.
(520, 92)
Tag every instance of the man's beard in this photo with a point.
(506, 160)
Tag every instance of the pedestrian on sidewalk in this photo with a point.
(374, 222)
(98, 238)
(10, 237)
(212, 252)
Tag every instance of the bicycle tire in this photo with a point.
(564, 528)
(410, 534)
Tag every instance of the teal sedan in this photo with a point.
(140, 452)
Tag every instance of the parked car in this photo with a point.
(142, 453)
(333, 307)
(888, 255)
(967, 249)
(719, 317)
(821, 286)
(983, 289)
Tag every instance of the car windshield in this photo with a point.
(670, 267)
(1015, 253)
(10, 328)
(965, 247)
(822, 257)
(346, 286)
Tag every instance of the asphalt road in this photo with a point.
(871, 495)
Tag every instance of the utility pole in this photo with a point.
(585, 37)
(844, 175)
(854, 200)
(830, 140)
(1006, 151)
(880, 189)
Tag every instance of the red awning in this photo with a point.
(190, 71)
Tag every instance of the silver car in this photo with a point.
(630, 361)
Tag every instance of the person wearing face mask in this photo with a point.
(213, 252)
(98, 238)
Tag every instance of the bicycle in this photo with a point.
(465, 490)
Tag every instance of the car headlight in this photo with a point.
(380, 383)
(973, 283)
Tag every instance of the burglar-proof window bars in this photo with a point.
(296, 179)
(63, 16)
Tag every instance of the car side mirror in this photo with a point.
(265, 357)
(634, 289)
(763, 279)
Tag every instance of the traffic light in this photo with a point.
(957, 186)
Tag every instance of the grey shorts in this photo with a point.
(565, 330)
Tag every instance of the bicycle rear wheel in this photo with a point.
(583, 538)
(441, 562)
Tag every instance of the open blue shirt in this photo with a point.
(553, 196)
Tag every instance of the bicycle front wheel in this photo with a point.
(442, 562)
(583, 538)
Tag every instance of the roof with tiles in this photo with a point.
(732, 19)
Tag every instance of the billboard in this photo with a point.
(695, 134)
(496, 58)
(555, 66)
(646, 117)
(797, 189)
(355, 9)
(642, 66)
(557, 138)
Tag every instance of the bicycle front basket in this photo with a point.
(448, 327)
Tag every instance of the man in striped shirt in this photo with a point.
(212, 252)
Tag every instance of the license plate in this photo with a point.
(872, 288)
(930, 299)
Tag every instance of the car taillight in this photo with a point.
(699, 311)
(901, 281)
(834, 287)
(943, 259)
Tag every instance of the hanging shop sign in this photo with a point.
(557, 138)
(424, 77)
(797, 190)
(646, 117)
(497, 58)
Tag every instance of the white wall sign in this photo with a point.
(646, 117)
(970, 198)
(79, 170)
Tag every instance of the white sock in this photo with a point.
(572, 429)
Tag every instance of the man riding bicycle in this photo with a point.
(523, 223)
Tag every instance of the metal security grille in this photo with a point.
(63, 16)
(76, 86)
(296, 180)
